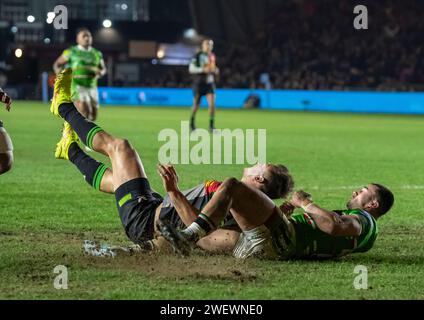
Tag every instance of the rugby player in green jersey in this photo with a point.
(6, 147)
(269, 231)
(87, 65)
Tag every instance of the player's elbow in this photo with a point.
(343, 230)
(329, 227)
(332, 230)
(56, 67)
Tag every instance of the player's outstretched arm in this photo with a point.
(102, 69)
(185, 210)
(59, 63)
(326, 220)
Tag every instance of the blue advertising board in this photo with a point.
(335, 101)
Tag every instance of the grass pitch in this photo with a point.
(47, 210)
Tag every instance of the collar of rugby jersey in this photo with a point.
(84, 49)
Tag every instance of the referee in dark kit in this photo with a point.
(204, 70)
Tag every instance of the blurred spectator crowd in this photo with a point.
(312, 45)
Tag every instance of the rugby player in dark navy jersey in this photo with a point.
(138, 205)
(204, 70)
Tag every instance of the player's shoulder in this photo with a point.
(365, 218)
(198, 54)
(212, 186)
(69, 50)
(96, 51)
(353, 212)
(369, 224)
(369, 231)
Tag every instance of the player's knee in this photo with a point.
(230, 183)
(121, 145)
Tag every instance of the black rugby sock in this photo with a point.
(192, 120)
(202, 226)
(84, 128)
(91, 169)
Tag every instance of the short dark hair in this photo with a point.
(385, 199)
(79, 30)
(281, 182)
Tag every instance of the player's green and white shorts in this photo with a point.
(85, 94)
(275, 241)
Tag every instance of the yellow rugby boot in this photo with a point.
(62, 91)
(68, 137)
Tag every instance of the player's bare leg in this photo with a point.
(94, 110)
(6, 151)
(106, 184)
(219, 241)
(195, 108)
(83, 108)
(126, 163)
(211, 97)
(244, 202)
(127, 178)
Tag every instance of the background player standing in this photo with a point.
(87, 65)
(203, 68)
(6, 147)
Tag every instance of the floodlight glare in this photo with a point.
(107, 23)
(18, 53)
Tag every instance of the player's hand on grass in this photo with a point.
(169, 177)
(300, 198)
